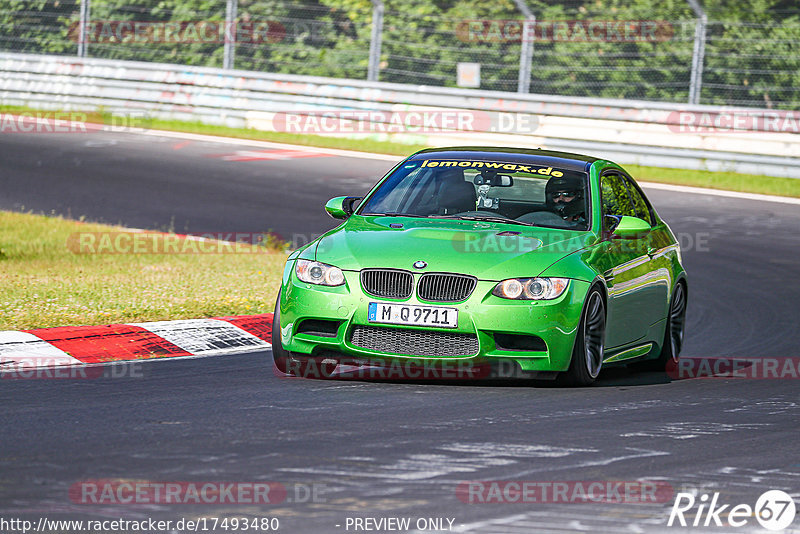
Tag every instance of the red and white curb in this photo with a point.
(87, 345)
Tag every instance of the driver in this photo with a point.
(564, 196)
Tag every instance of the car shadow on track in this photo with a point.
(622, 376)
(614, 377)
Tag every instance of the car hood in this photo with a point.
(487, 250)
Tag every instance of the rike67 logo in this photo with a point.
(774, 510)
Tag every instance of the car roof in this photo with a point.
(532, 156)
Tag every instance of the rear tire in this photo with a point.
(676, 325)
(587, 355)
(673, 334)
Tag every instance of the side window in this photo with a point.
(615, 197)
(639, 203)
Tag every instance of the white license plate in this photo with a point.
(440, 316)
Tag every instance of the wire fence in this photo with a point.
(672, 53)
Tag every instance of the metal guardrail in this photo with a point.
(243, 98)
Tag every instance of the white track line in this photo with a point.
(270, 144)
(720, 193)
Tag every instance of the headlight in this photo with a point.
(318, 273)
(531, 288)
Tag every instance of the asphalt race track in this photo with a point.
(388, 449)
(166, 183)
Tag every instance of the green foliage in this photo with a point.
(38, 26)
(744, 68)
(110, 12)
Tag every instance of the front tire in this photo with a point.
(280, 357)
(589, 350)
(285, 364)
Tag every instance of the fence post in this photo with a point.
(374, 66)
(526, 47)
(229, 52)
(698, 53)
(83, 28)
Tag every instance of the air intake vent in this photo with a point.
(444, 287)
(519, 342)
(319, 327)
(387, 283)
(414, 342)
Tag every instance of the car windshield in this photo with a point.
(495, 191)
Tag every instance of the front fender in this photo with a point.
(576, 265)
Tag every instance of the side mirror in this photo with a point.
(340, 207)
(631, 226)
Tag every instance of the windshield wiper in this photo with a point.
(393, 214)
(479, 218)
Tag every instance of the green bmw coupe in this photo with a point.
(553, 263)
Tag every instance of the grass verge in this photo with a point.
(49, 281)
(728, 181)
